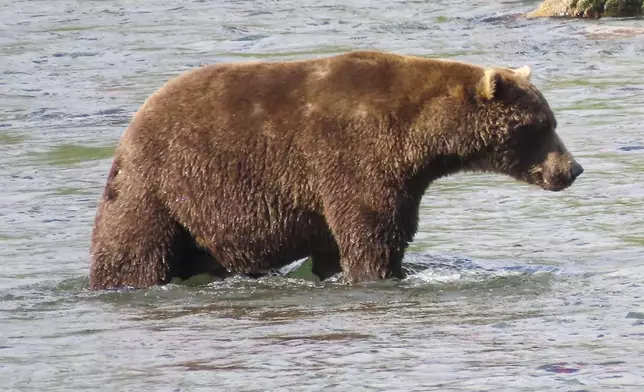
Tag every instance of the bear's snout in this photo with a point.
(575, 170)
(559, 172)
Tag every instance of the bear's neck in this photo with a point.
(437, 167)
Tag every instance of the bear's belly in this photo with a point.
(262, 244)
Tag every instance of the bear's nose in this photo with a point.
(575, 170)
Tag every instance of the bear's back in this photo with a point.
(247, 99)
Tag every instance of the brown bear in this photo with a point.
(245, 167)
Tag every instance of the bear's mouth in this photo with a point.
(554, 186)
(554, 183)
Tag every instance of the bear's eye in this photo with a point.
(529, 134)
(527, 129)
(548, 124)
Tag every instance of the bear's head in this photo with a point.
(515, 129)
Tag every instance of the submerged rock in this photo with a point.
(593, 9)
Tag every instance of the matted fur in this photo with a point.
(244, 167)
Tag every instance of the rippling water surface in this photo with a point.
(513, 288)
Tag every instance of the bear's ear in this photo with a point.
(525, 72)
(489, 86)
(494, 84)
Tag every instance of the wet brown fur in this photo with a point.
(240, 168)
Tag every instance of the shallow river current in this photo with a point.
(514, 288)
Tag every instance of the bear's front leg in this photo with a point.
(367, 260)
(372, 243)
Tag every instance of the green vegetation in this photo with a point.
(62, 191)
(197, 280)
(70, 154)
(73, 28)
(6, 138)
(592, 104)
(304, 271)
(275, 55)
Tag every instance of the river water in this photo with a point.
(513, 288)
